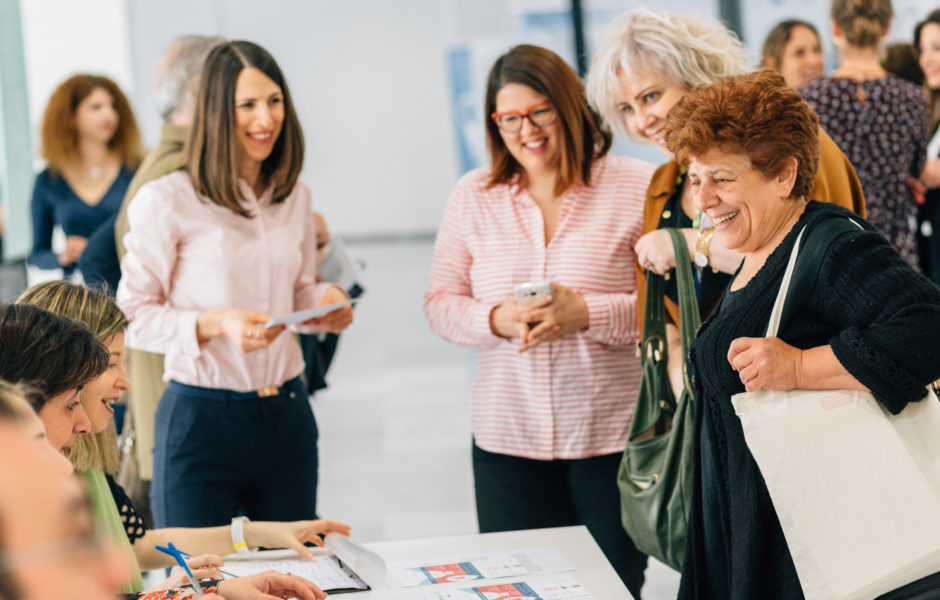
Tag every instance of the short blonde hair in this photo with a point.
(688, 51)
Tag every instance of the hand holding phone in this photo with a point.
(527, 292)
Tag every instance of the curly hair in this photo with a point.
(688, 51)
(756, 114)
(103, 317)
(59, 138)
(863, 22)
(583, 137)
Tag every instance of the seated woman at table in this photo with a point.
(95, 455)
(870, 321)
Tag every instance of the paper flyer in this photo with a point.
(472, 568)
(555, 588)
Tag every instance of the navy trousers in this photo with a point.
(523, 493)
(220, 454)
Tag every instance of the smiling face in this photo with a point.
(259, 116)
(929, 45)
(96, 117)
(746, 208)
(104, 391)
(802, 57)
(536, 149)
(644, 101)
(64, 418)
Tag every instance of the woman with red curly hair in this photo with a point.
(91, 145)
(869, 322)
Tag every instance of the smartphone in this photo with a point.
(527, 292)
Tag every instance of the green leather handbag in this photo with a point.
(655, 477)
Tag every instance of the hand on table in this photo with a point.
(765, 363)
(339, 319)
(269, 585)
(557, 315)
(204, 566)
(74, 246)
(293, 535)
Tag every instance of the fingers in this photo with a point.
(736, 348)
(324, 526)
(545, 332)
(207, 572)
(336, 321)
(300, 549)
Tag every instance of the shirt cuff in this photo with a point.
(481, 322)
(598, 312)
(186, 326)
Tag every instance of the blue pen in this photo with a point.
(178, 556)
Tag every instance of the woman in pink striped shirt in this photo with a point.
(214, 251)
(556, 378)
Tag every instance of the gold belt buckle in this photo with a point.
(265, 392)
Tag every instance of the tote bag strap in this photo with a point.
(799, 279)
(689, 315)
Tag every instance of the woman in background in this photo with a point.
(927, 48)
(792, 48)
(556, 378)
(214, 252)
(879, 120)
(91, 146)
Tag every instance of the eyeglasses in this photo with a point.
(540, 115)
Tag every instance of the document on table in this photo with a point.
(470, 568)
(554, 588)
(305, 315)
(323, 570)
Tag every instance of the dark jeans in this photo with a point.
(220, 454)
(522, 493)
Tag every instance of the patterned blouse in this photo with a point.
(881, 125)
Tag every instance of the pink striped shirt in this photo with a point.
(186, 255)
(572, 398)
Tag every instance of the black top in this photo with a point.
(133, 523)
(882, 320)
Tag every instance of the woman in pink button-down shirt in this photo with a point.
(551, 403)
(214, 251)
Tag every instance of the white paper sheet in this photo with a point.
(554, 588)
(322, 570)
(471, 568)
(305, 315)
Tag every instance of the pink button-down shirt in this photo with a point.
(572, 398)
(186, 255)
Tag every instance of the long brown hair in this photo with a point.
(59, 143)
(583, 137)
(212, 149)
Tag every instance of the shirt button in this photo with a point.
(293, 394)
(667, 214)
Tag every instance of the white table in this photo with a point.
(576, 544)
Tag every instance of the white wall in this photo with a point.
(368, 82)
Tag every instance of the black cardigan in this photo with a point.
(882, 320)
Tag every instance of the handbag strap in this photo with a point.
(799, 278)
(689, 316)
